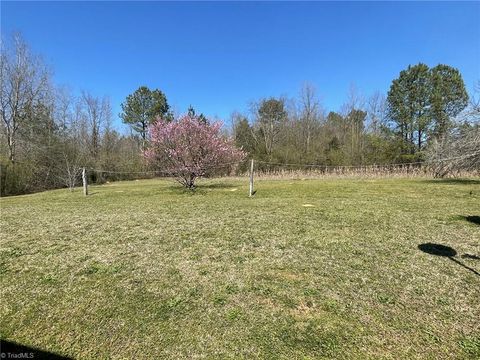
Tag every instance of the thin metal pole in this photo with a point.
(85, 184)
(251, 179)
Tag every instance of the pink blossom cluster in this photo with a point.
(189, 148)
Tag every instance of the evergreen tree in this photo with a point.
(202, 118)
(448, 97)
(409, 104)
(142, 108)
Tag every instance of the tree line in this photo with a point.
(49, 134)
(423, 107)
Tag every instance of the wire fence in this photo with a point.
(279, 170)
(271, 169)
(264, 170)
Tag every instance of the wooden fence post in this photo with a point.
(251, 179)
(85, 184)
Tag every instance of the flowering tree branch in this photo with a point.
(189, 148)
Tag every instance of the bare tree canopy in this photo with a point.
(457, 153)
(25, 83)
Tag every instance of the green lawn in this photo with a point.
(144, 269)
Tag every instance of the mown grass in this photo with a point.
(144, 269)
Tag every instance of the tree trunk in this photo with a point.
(144, 136)
(3, 179)
(191, 182)
(11, 148)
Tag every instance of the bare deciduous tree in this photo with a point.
(353, 112)
(473, 111)
(457, 153)
(97, 114)
(24, 83)
(376, 111)
(310, 109)
(70, 167)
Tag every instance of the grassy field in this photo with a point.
(304, 270)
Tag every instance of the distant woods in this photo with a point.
(423, 106)
(48, 134)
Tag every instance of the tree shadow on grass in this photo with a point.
(470, 256)
(448, 252)
(472, 219)
(215, 185)
(12, 350)
(199, 187)
(453, 181)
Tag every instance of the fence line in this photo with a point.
(408, 169)
(223, 165)
(371, 165)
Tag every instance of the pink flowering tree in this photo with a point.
(189, 148)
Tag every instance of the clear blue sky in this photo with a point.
(221, 56)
